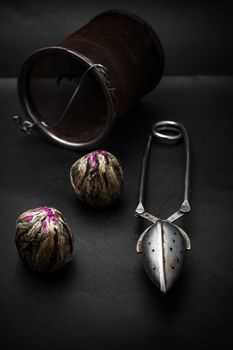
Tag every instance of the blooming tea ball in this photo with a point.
(44, 239)
(97, 178)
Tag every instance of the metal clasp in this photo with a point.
(24, 125)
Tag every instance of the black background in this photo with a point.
(103, 299)
(196, 35)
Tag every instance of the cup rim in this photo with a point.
(27, 106)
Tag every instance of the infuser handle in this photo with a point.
(169, 132)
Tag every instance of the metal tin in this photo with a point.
(132, 57)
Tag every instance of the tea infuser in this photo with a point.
(163, 243)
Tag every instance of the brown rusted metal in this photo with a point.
(132, 55)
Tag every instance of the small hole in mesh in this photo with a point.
(177, 259)
(153, 268)
(174, 233)
(171, 248)
(174, 240)
(153, 250)
(181, 252)
(173, 267)
(149, 243)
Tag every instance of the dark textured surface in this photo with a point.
(103, 299)
(196, 34)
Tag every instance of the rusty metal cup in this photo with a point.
(132, 58)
